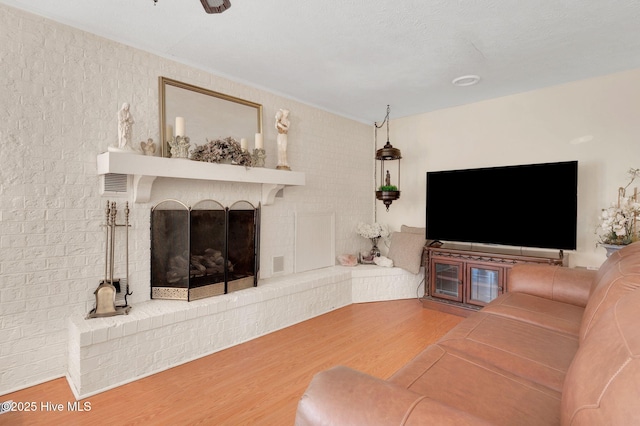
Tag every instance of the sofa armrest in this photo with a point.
(342, 396)
(559, 283)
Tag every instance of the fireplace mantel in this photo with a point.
(145, 170)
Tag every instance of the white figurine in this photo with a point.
(282, 125)
(148, 147)
(383, 261)
(180, 147)
(125, 124)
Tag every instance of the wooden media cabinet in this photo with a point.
(461, 279)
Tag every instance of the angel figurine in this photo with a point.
(148, 147)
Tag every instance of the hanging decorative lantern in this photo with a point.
(388, 189)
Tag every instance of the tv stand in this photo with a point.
(462, 279)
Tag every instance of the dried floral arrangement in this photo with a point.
(220, 150)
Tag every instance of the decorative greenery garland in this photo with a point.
(220, 150)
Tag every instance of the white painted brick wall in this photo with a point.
(62, 89)
(373, 283)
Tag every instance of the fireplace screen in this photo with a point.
(203, 251)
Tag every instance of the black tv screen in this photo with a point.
(533, 205)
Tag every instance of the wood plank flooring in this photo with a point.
(255, 383)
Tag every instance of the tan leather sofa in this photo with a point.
(562, 346)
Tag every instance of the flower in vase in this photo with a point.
(618, 223)
(374, 230)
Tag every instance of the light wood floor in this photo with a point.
(258, 382)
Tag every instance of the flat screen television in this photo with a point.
(533, 205)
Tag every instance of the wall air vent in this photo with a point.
(278, 264)
(114, 184)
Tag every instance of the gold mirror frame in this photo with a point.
(208, 114)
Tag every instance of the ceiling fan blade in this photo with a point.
(215, 6)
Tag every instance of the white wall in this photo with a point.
(534, 127)
(61, 91)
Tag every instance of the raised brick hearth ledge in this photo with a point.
(160, 334)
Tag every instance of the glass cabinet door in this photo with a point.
(446, 281)
(484, 283)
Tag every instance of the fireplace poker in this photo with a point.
(126, 227)
(106, 243)
(113, 235)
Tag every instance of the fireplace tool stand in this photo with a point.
(106, 291)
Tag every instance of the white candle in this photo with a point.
(168, 133)
(243, 144)
(259, 141)
(180, 126)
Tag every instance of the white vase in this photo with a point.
(611, 248)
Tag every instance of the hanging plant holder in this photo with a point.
(387, 197)
(388, 189)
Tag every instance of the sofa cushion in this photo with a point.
(538, 354)
(618, 276)
(602, 385)
(558, 316)
(480, 389)
(567, 285)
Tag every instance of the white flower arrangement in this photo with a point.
(372, 231)
(618, 223)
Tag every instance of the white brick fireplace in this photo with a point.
(159, 334)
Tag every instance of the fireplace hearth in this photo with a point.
(203, 251)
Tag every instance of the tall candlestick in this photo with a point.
(259, 141)
(180, 126)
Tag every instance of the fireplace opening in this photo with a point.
(205, 250)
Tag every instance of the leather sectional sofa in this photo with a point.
(562, 346)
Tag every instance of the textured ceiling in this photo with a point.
(353, 57)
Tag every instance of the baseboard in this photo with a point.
(461, 311)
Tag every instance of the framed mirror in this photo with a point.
(204, 114)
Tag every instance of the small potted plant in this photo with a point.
(387, 194)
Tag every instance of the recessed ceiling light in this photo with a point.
(466, 80)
